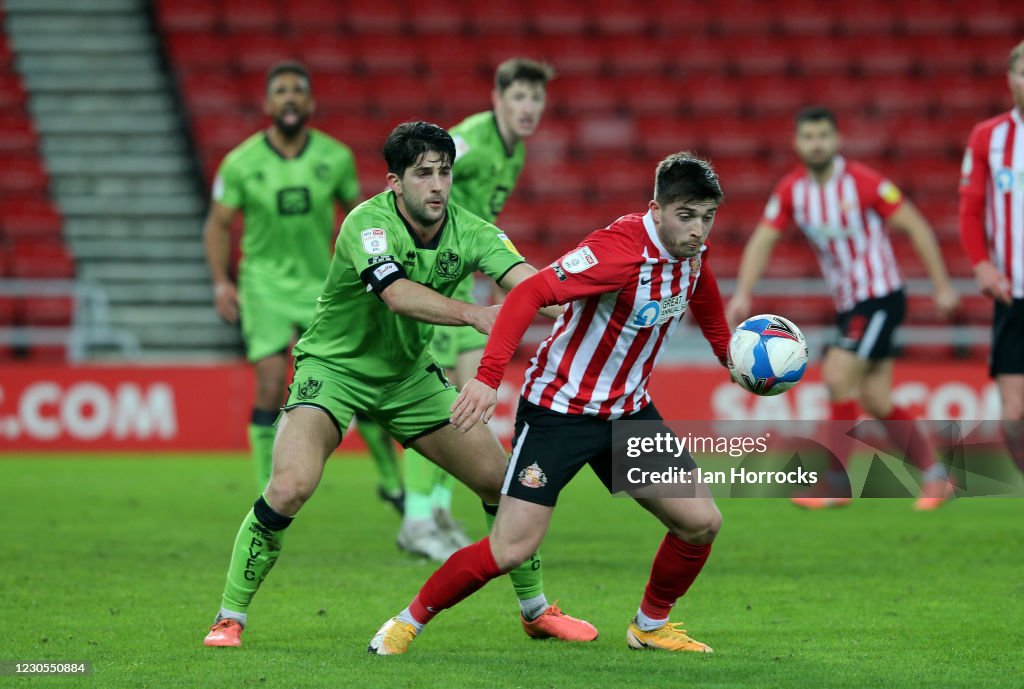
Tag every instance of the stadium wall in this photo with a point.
(206, 408)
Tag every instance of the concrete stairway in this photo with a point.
(121, 168)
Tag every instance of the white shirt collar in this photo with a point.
(1015, 114)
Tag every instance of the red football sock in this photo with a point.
(910, 442)
(463, 574)
(837, 438)
(675, 567)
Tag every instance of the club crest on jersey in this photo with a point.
(579, 260)
(375, 240)
(533, 476)
(1004, 180)
(657, 312)
(309, 389)
(695, 265)
(448, 265)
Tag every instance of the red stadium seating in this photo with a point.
(41, 259)
(907, 79)
(23, 177)
(188, 15)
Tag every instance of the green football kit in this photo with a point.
(289, 210)
(483, 176)
(358, 354)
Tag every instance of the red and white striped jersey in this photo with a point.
(992, 190)
(844, 220)
(625, 294)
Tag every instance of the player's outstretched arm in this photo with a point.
(706, 307)
(519, 273)
(413, 300)
(217, 242)
(908, 219)
(755, 257)
(476, 402)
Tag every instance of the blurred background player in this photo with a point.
(592, 370)
(398, 259)
(489, 155)
(285, 181)
(992, 233)
(842, 207)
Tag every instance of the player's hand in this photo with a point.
(225, 299)
(482, 317)
(946, 301)
(992, 283)
(476, 402)
(737, 310)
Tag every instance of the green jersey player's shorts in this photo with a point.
(407, 408)
(452, 340)
(269, 326)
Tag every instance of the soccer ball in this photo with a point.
(767, 354)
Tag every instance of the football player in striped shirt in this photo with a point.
(625, 289)
(992, 233)
(844, 209)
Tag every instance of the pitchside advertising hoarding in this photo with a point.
(197, 408)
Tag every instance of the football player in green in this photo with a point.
(285, 181)
(489, 155)
(397, 261)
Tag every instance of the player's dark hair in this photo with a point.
(410, 140)
(685, 177)
(522, 69)
(816, 113)
(1016, 54)
(288, 67)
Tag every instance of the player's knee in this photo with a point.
(700, 529)
(287, 492)
(878, 407)
(508, 556)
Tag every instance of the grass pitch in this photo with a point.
(121, 562)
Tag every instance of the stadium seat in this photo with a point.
(648, 95)
(439, 18)
(659, 136)
(496, 19)
(622, 20)
(742, 18)
(584, 96)
(255, 52)
(325, 16)
(51, 311)
(760, 57)
(717, 95)
(187, 15)
(46, 353)
(41, 259)
(198, 50)
(29, 218)
(927, 18)
(23, 177)
(806, 18)
(607, 138)
(387, 56)
(554, 181)
(884, 55)
(252, 15)
(867, 18)
(12, 93)
(324, 51)
(211, 92)
(638, 56)
(560, 17)
(8, 311)
(574, 56)
(367, 17)
(402, 97)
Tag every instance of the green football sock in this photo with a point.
(261, 444)
(441, 495)
(257, 546)
(382, 450)
(419, 483)
(527, 579)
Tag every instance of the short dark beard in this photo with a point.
(288, 131)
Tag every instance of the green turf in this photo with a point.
(121, 562)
